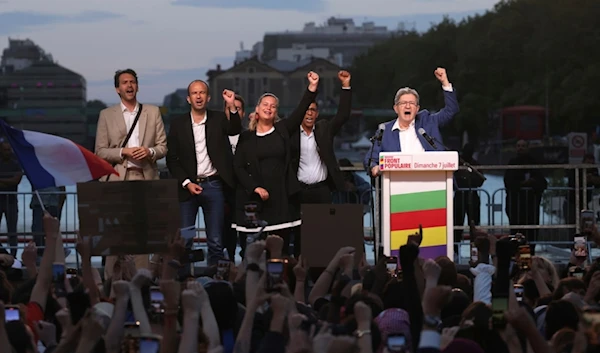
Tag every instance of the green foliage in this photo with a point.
(98, 104)
(519, 53)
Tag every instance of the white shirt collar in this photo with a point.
(396, 125)
(304, 131)
(124, 108)
(203, 121)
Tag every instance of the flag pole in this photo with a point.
(37, 194)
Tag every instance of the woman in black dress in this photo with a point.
(262, 167)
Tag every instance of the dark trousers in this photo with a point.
(230, 235)
(524, 209)
(212, 201)
(465, 203)
(37, 226)
(318, 193)
(9, 208)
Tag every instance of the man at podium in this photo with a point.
(404, 134)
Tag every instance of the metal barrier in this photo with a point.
(549, 219)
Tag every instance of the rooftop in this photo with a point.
(43, 69)
(335, 25)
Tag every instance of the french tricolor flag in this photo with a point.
(50, 160)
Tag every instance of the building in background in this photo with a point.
(252, 78)
(339, 40)
(40, 95)
(21, 54)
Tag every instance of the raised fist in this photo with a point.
(229, 97)
(440, 74)
(344, 77)
(313, 78)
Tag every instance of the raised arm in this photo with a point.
(445, 115)
(292, 123)
(234, 122)
(43, 282)
(345, 104)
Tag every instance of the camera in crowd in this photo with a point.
(251, 210)
(252, 220)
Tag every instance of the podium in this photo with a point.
(417, 189)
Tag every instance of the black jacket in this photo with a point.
(325, 131)
(181, 155)
(246, 163)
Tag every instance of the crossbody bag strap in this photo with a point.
(137, 117)
(129, 133)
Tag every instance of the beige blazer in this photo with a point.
(111, 133)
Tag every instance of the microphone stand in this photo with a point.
(470, 169)
(376, 241)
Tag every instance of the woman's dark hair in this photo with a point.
(458, 303)
(561, 313)
(393, 295)
(223, 303)
(18, 337)
(479, 313)
(570, 284)
(489, 340)
(376, 307)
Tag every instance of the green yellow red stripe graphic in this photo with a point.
(426, 208)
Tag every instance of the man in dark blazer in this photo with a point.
(401, 134)
(200, 158)
(312, 152)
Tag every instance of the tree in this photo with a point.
(96, 104)
(520, 52)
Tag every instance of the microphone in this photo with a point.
(427, 138)
(379, 134)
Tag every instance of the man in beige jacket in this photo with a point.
(147, 144)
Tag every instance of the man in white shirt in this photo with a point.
(313, 155)
(401, 134)
(199, 159)
(147, 143)
(148, 140)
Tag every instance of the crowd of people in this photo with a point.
(271, 302)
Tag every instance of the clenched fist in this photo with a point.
(344, 77)
(313, 81)
(229, 97)
(440, 74)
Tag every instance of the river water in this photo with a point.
(490, 215)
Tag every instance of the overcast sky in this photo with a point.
(171, 42)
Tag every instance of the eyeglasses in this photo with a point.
(407, 103)
(312, 110)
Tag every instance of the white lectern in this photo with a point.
(417, 189)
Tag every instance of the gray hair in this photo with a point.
(403, 91)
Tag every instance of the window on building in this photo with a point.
(265, 81)
(251, 87)
(251, 70)
(236, 81)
